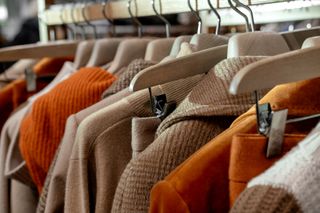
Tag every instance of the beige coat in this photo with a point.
(103, 148)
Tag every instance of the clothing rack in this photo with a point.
(119, 10)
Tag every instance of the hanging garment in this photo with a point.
(16, 71)
(126, 76)
(207, 111)
(10, 157)
(103, 147)
(248, 159)
(291, 185)
(200, 184)
(55, 180)
(15, 93)
(42, 129)
(53, 193)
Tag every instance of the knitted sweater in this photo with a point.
(125, 78)
(55, 180)
(42, 129)
(15, 93)
(200, 184)
(291, 185)
(207, 111)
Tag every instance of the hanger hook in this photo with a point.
(218, 17)
(241, 14)
(64, 22)
(135, 20)
(238, 3)
(83, 13)
(198, 17)
(74, 21)
(105, 15)
(162, 18)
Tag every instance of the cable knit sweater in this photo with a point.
(207, 111)
(125, 78)
(42, 129)
(291, 185)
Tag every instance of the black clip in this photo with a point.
(274, 131)
(264, 116)
(159, 105)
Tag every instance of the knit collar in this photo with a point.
(300, 98)
(211, 96)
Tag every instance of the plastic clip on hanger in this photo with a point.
(129, 49)
(283, 68)
(159, 48)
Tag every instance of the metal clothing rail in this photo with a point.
(140, 8)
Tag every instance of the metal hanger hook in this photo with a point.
(105, 15)
(135, 20)
(241, 14)
(83, 13)
(218, 17)
(199, 30)
(167, 23)
(64, 22)
(75, 22)
(238, 3)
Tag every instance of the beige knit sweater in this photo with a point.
(206, 112)
(102, 148)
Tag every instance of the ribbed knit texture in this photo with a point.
(42, 129)
(125, 78)
(265, 199)
(296, 176)
(207, 111)
(15, 93)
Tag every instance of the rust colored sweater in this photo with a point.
(42, 129)
(15, 93)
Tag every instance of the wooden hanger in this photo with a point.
(83, 53)
(268, 43)
(103, 51)
(158, 49)
(39, 50)
(256, 44)
(186, 66)
(296, 38)
(129, 50)
(175, 49)
(288, 67)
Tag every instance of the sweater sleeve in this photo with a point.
(165, 199)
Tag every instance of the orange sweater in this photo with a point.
(15, 93)
(42, 129)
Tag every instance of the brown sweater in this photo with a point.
(200, 184)
(42, 129)
(207, 111)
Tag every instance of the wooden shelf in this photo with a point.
(140, 8)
